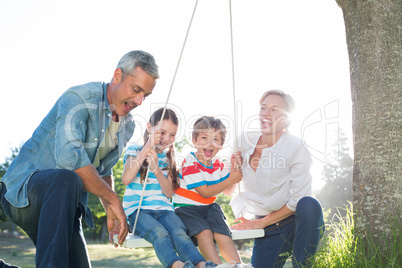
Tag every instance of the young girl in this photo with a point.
(157, 222)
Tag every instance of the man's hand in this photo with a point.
(113, 231)
(116, 222)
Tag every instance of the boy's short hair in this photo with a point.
(206, 123)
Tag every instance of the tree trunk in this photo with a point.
(373, 34)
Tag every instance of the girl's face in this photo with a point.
(168, 135)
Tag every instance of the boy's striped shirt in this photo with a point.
(194, 174)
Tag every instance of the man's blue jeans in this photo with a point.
(299, 233)
(53, 218)
(168, 235)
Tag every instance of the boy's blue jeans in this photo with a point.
(168, 235)
(53, 218)
(299, 233)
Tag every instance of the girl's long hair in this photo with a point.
(170, 155)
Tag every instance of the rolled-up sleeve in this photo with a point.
(300, 177)
(71, 129)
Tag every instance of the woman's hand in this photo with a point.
(247, 224)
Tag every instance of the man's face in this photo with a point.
(128, 93)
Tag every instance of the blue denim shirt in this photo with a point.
(69, 138)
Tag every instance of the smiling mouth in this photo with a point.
(129, 107)
(266, 123)
(208, 153)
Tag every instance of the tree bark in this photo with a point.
(373, 34)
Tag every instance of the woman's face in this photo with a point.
(273, 119)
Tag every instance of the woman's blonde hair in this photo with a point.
(290, 104)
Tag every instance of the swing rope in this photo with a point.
(164, 110)
(233, 76)
(234, 87)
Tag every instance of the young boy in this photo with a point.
(202, 179)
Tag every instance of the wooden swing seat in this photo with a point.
(135, 241)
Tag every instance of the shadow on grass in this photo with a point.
(20, 251)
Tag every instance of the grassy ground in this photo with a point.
(21, 252)
(17, 250)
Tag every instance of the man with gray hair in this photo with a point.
(72, 152)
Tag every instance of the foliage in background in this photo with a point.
(337, 174)
(3, 169)
(182, 144)
(8, 160)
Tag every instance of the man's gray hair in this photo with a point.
(138, 58)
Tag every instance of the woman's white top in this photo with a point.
(282, 176)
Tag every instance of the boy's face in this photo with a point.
(208, 143)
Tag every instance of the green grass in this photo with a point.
(342, 247)
(20, 251)
(338, 247)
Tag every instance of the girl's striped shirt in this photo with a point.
(194, 174)
(153, 198)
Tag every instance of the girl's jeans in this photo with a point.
(53, 218)
(168, 235)
(299, 233)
